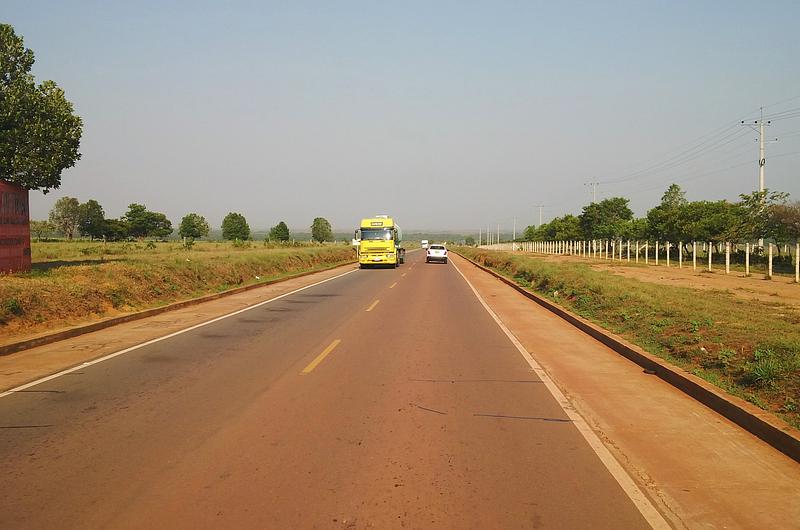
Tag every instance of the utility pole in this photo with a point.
(480, 230)
(593, 184)
(514, 232)
(498, 232)
(540, 206)
(762, 159)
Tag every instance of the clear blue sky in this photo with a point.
(448, 115)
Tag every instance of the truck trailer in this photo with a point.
(378, 242)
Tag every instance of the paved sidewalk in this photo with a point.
(700, 469)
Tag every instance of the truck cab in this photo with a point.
(379, 241)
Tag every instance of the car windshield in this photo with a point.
(376, 234)
(437, 247)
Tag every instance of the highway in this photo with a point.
(378, 399)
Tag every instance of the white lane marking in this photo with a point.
(165, 337)
(639, 499)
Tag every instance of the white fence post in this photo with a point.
(680, 254)
(797, 263)
(747, 259)
(769, 275)
(656, 251)
(667, 245)
(727, 258)
(646, 252)
(629, 250)
(637, 251)
(710, 251)
(694, 255)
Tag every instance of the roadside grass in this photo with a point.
(748, 348)
(70, 284)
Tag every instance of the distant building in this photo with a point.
(15, 228)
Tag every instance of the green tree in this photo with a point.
(530, 233)
(633, 229)
(235, 226)
(137, 219)
(279, 232)
(39, 134)
(713, 221)
(605, 219)
(785, 222)
(65, 215)
(469, 241)
(564, 228)
(662, 221)
(321, 230)
(756, 219)
(42, 229)
(142, 222)
(193, 226)
(161, 227)
(91, 219)
(115, 229)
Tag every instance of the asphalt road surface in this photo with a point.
(382, 398)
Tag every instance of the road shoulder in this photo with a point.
(727, 478)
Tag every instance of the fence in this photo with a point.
(670, 254)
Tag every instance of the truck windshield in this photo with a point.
(376, 234)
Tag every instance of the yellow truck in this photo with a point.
(378, 241)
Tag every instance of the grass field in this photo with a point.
(75, 282)
(749, 348)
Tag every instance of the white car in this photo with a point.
(436, 253)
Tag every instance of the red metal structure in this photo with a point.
(15, 229)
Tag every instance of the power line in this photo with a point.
(782, 101)
(712, 172)
(684, 157)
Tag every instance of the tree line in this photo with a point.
(758, 215)
(70, 217)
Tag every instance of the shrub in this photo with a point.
(765, 370)
(13, 306)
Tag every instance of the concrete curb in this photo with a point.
(103, 324)
(760, 423)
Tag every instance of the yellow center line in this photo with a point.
(391, 286)
(313, 364)
(372, 306)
